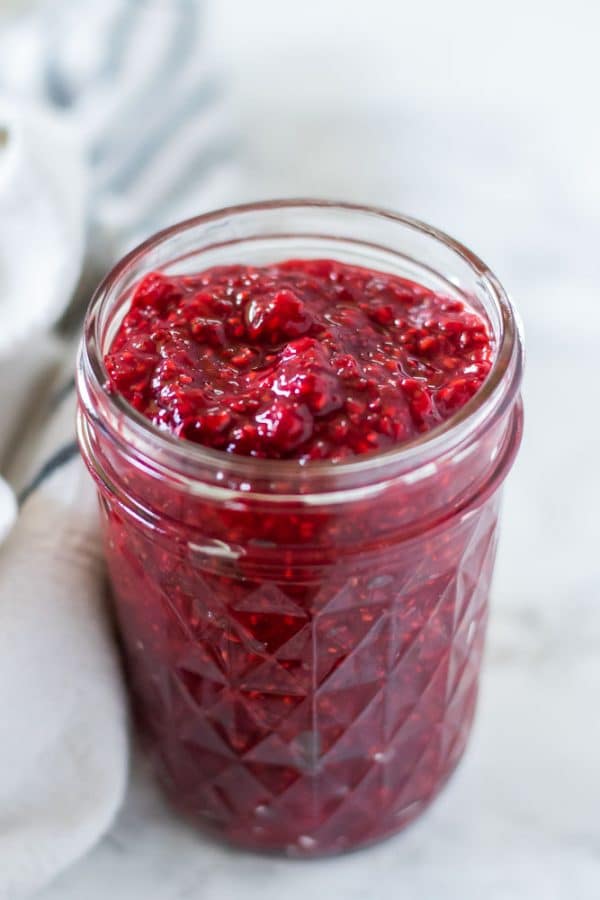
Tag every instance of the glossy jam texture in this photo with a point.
(305, 359)
(305, 674)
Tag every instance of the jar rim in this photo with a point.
(493, 397)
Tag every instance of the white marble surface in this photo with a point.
(491, 141)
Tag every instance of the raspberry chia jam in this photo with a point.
(299, 416)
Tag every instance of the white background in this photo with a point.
(482, 118)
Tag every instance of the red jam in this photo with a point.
(306, 359)
(305, 673)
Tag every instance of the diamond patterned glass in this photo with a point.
(306, 717)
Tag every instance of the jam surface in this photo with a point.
(305, 675)
(305, 359)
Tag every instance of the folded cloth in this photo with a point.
(147, 98)
(134, 135)
(63, 746)
(42, 231)
(63, 736)
(42, 239)
(41, 172)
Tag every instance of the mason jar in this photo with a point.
(303, 642)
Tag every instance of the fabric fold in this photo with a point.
(63, 733)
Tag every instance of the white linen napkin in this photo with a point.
(96, 151)
(147, 98)
(63, 747)
(63, 735)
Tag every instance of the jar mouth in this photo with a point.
(131, 428)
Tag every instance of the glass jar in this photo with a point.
(303, 643)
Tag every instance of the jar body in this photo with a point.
(305, 716)
(303, 651)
